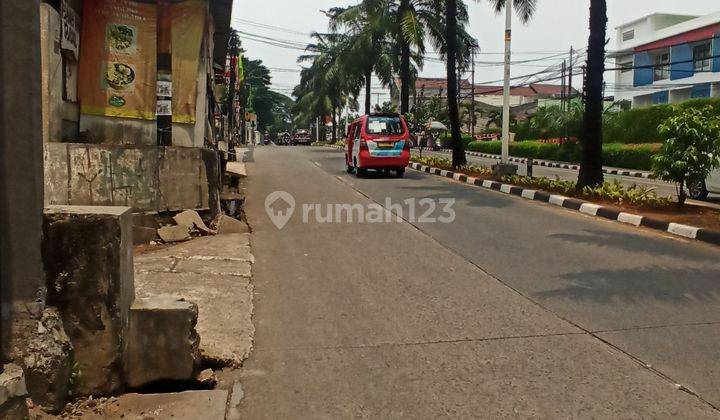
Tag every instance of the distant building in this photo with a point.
(666, 58)
(489, 95)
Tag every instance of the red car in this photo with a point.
(379, 142)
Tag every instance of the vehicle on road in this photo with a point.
(379, 142)
(301, 137)
(699, 190)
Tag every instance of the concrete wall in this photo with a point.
(146, 178)
(21, 190)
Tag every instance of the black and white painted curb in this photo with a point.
(591, 209)
(562, 165)
(587, 208)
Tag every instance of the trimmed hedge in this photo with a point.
(634, 126)
(630, 156)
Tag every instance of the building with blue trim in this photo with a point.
(667, 58)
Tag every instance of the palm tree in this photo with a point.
(325, 86)
(591, 173)
(366, 26)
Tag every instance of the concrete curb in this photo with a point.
(585, 207)
(562, 165)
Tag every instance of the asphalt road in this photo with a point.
(516, 309)
(661, 187)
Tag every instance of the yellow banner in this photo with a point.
(118, 69)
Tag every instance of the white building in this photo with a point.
(667, 58)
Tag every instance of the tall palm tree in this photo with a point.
(458, 153)
(366, 26)
(456, 47)
(325, 86)
(591, 173)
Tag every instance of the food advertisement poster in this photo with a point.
(118, 67)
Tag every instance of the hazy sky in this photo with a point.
(558, 25)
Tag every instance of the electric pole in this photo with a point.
(506, 88)
(570, 75)
(472, 97)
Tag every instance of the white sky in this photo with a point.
(558, 25)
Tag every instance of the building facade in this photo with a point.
(103, 92)
(666, 58)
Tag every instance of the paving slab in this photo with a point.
(554, 377)
(232, 246)
(224, 309)
(190, 405)
(687, 354)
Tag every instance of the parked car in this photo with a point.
(301, 137)
(699, 190)
(379, 142)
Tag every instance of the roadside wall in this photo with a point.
(146, 178)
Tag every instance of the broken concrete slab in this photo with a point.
(214, 266)
(225, 225)
(162, 343)
(207, 378)
(232, 246)
(235, 399)
(170, 234)
(225, 310)
(236, 169)
(12, 393)
(191, 219)
(207, 405)
(47, 361)
(89, 270)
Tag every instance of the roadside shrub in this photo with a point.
(641, 125)
(630, 156)
(446, 164)
(691, 149)
(445, 140)
(611, 192)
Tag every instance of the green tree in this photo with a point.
(591, 173)
(691, 149)
(366, 27)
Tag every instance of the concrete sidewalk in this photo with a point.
(215, 273)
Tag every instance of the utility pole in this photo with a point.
(164, 73)
(504, 167)
(562, 86)
(234, 52)
(472, 97)
(570, 75)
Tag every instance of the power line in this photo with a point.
(270, 27)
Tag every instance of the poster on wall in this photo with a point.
(118, 61)
(70, 37)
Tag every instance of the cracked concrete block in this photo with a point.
(48, 360)
(12, 393)
(162, 342)
(214, 266)
(178, 233)
(228, 225)
(191, 219)
(87, 255)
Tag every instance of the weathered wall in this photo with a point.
(87, 257)
(146, 178)
(52, 73)
(21, 190)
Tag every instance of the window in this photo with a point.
(702, 57)
(628, 35)
(384, 125)
(662, 67)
